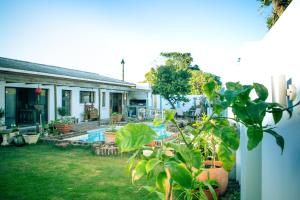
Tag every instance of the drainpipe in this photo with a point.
(99, 105)
(55, 102)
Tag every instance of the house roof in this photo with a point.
(8, 64)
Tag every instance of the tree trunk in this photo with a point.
(172, 104)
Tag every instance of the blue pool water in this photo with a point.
(98, 134)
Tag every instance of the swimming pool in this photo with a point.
(97, 135)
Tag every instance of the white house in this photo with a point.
(61, 87)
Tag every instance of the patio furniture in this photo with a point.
(91, 111)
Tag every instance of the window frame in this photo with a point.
(91, 97)
(103, 98)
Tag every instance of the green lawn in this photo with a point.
(46, 172)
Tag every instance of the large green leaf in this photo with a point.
(233, 86)
(134, 136)
(277, 114)
(230, 137)
(240, 112)
(226, 156)
(261, 91)
(190, 157)
(151, 189)
(255, 135)
(209, 89)
(244, 94)
(169, 115)
(158, 121)
(219, 106)
(151, 164)
(230, 96)
(161, 181)
(139, 171)
(180, 174)
(279, 138)
(211, 189)
(256, 111)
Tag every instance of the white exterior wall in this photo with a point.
(77, 108)
(2, 91)
(105, 110)
(182, 106)
(266, 173)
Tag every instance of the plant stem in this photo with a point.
(181, 133)
(168, 185)
(285, 109)
(201, 129)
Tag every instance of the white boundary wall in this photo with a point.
(265, 173)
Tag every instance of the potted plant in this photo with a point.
(13, 132)
(84, 116)
(64, 125)
(18, 140)
(209, 144)
(116, 117)
(110, 133)
(205, 188)
(31, 137)
(62, 111)
(4, 135)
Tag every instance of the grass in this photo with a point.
(46, 172)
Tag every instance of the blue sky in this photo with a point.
(96, 35)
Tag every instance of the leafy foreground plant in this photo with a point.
(177, 164)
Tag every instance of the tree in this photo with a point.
(200, 78)
(278, 8)
(177, 59)
(178, 77)
(169, 82)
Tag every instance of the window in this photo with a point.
(66, 101)
(103, 99)
(87, 97)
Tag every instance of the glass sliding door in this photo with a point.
(20, 106)
(66, 101)
(10, 106)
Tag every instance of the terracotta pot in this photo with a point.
(63, 128)
(116, 118)
(151, 144)
(217, 173)
(109, 137)
(209, 195)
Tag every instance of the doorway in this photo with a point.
(21, 106)
(116, 103)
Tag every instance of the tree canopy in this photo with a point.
(278, 7)
(178, 78)
(200, 78)
(171, 83)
